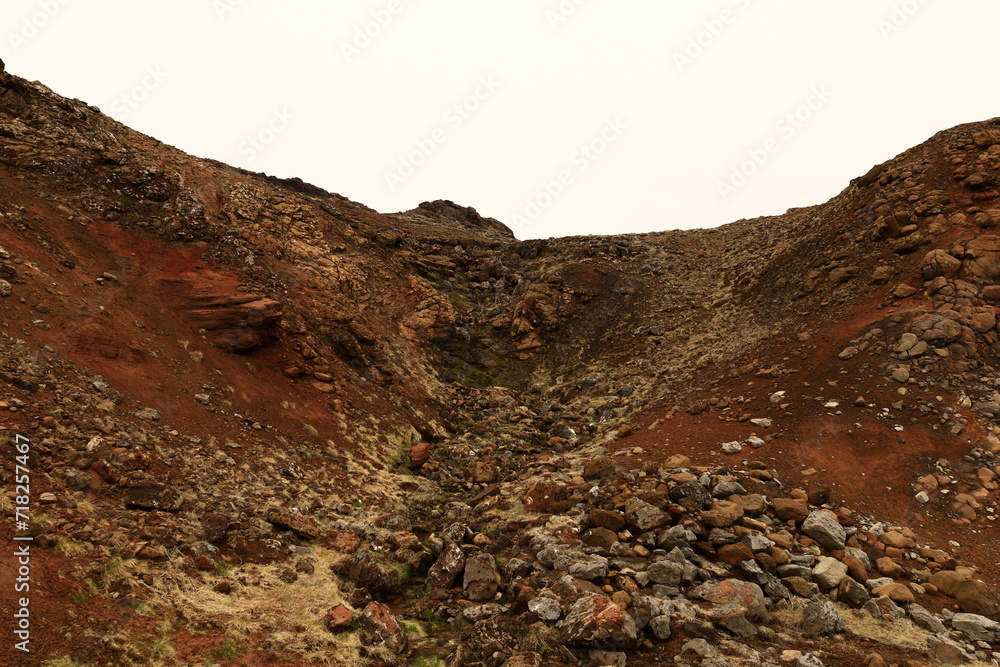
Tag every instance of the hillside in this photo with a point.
(272, 426)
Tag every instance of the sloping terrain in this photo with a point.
(271, 426)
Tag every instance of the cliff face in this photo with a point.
(251, 401)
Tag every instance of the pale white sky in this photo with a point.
(556, 117)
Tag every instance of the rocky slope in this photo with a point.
(269, 425)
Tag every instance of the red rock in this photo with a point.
(419, 455)
(856, 569)
(339, 618)
(383, 627)
(344, 541)
(731, 554)
(594, 620)
(791, 509)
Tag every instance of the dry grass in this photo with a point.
(270, 609)
(891, 632)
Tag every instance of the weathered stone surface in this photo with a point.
(791, 509)
(447, 568)
(976, 627)
(822, 618)
(722, 514)
(975, 597)
(153, 497)
(924, 619)
(481, 580)
(612, 521)
(660, 627)
(829, 572)
(594, 620)
(727, 591)
(381, 626)
(823, 527)
(852, 593)
(643, 516)
(301, 524)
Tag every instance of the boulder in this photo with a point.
(481, 580)
(976, 627)
(822, 618)
(829, 572)
(823, 527)
(975, 597)
(791, 509)
(381, 626)
(594, 620)
(447, 568)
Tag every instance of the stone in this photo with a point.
(901, 374)
(301, 524)
(693, 491)
(975, 597)
(801, 587)
(733, 617)
(595, 567)
(976, 627)
(791, 509)
(643, 516)
(481, 581)
(722, 514)
(339, 619)
(5, 288)
(734, 591)
(896, 593)
(888, 567)
(214, 527)
(852, 593)
(823, 527)
(608, 658)
(612, 521)
(419, 455)
(822, 618)
(948, 580)
(448, 567)
(855, 568)
(660, 627)
(546, 609)
(666, 573)
(525, 659)
(601, 538)
(940, 263)
(153, 497)
(699, 647)
(924, 619)
(892, 538)
(731, 554)
(829, 572)
(731, 448)
(383, 627)
(594, 620)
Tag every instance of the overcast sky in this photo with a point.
(556, 117)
